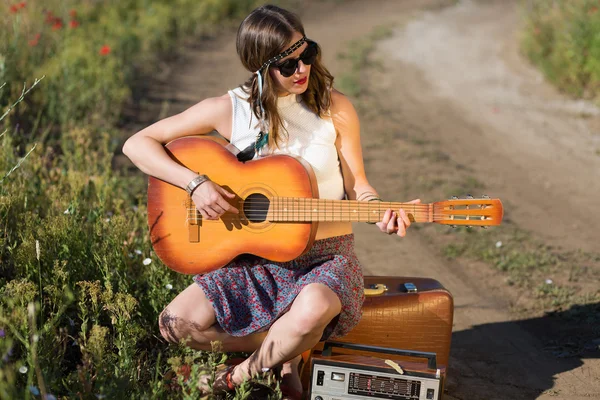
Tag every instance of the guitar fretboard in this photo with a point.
(294, 209)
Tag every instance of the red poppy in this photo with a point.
(14, 9)
(22, 4)
(50, 18)
(35, 40)
(73, 24)
(58, 24)
(73, 13)
(105, 50)
(592, 10)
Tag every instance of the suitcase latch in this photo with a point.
(375, 289)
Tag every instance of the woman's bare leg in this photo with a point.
(296, 331)
(191, 316)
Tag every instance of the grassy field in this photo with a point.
(81, 288)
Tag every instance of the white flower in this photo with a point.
(138, 252)
(498, 244)
(549, 281)
(37, 249)
(23, 369)
(36, 337)
(169, 286)
(67, 211)
(146, 261)
(107, 220)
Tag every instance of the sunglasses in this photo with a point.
(308, 56)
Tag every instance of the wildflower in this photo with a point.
(23, 369)
(138, 252)
(50, 396)
(37, 249)
(36, 338)
(73, 13)
(58, 24)
(50, 17)
(146, 261)
(34, 390)
(593, 10)
(549, 281)
(498, 244)
(2, 333)
(107, 220)
(73, 24)
(105, 50)
(67, 211)
(16, 7)
(168, 286)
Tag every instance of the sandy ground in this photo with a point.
(451, 96)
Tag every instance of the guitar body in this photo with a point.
(189, 244)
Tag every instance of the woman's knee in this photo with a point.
(189, 312)
(314, 308)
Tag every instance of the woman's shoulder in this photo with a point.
(341, 106)
(239, 93)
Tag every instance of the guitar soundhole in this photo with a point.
(256, 207)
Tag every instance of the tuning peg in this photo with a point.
(484, 227)
(454, 198)
(469, 196)
(485, 196)
(452, 226)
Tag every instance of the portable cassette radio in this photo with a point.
(359, 377)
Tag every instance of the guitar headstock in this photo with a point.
(469, 211)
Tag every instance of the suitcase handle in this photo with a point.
(376, 290)
(431, 357)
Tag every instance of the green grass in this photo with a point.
(561, 38)
(80, 286)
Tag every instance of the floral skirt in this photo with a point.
(251, 293)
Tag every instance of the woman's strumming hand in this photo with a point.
(211, 200)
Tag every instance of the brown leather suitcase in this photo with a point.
(403, 313)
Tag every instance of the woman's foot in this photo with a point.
(291, 385)
(222, 383)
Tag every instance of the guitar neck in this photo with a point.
(294, 209)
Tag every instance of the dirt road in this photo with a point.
(456, 103)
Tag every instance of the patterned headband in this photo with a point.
(286, 53)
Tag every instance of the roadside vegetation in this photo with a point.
(80, 288)
(562, 37)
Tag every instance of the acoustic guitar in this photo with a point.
(279, 209)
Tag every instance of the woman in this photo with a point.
(275, 310)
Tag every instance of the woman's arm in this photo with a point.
(146, 150)
(356, 185)
(347, 125)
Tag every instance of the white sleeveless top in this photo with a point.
(309, 137)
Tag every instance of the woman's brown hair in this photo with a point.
(265, 33)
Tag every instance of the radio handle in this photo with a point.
(431, 357)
